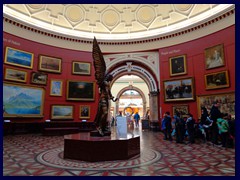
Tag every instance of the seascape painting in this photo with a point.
(62, 112)
(22, 101)
(18, 58)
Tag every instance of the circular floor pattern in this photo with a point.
(54, 158)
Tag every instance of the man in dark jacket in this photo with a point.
(179, 127)
(190, 128)
(214, 115)
(168, 126)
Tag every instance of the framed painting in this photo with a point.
(15, 75)
(56, 87)
(80, 90)
(226, 101)
(217, 80)
(18, 58)
(39, 78)
(178, 65)
(22, 101)
(178, 90)
(50, 64)
(81, 68)
(84, 111)
(62, 112)
(181, 108)
(214, 57)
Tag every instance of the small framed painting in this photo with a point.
(80, 90)
(56, 87)
(81, 68)
(178, 65)
(180, 108)
(214, 57)
(84, 111)
(39, 78)
(15, 75)
(179, 90)
(50, 64)
(217, 80)
(62, 112)
(18, 58)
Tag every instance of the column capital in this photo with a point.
(154, 93)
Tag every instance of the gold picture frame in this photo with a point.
(56, 87)
(217, 80)
(39, 78)
(50, 64)
(22, 101)
(15, 75)
(214, 56)
(181, 108)
(178, 65)
(19, 58)
(81, 68)
(179, 89)
(84, 111)
(80, 90)
(226, 101)
(62, 111)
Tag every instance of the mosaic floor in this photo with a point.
(36, 155)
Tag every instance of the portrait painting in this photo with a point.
(178, 65)
(62, 112)
(15, 75)
(217, 80)
(84, 111)
(80, 90)
(180, 108)
(225, 100)
(178, 90)
(22, 101)
(50, 64)
(81, 68)
(39, 78)
(214, 57)
(18, 58)
(56, 87)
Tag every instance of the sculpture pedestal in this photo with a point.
(84, 147)
(96, 133)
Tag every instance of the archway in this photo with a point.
(146, 66)
(130, 87)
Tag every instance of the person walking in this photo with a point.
(136, 118)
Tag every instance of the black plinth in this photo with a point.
(84, 147)
(96, 133)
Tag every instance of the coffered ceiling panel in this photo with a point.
(113, 21)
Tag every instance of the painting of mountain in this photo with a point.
(22, 101)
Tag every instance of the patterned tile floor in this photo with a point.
(37, 155)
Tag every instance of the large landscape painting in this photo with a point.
(22, 101)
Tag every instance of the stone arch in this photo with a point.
(130, 87)
(147, 76)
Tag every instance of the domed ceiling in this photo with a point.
(113, 21)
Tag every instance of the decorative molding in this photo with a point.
(14, 27)
(140, 70)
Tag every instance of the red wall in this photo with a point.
(194, 51)
(67, 57)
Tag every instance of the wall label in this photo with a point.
(170, 52)
(11, 41)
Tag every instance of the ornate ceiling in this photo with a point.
(113, 21)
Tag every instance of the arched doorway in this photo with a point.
(145, 65)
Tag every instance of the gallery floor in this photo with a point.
(37, 155)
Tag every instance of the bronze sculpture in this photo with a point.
(103, 80)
